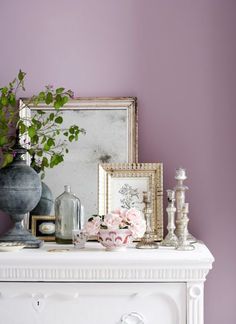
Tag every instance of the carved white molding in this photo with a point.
(102, 274)
(195, 299)
(132, 318)
(38, 302)
(123, 303)
(171, 280)
(96, 264)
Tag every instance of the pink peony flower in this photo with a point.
(133, 216)
(92, 227)
(131, 219)
(112, 220)
(138, 229)
(121, 212)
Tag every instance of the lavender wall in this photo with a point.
(179, 59)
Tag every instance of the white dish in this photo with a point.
(11, 246)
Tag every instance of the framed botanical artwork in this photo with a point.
(111, 136)
(121, 185)
(43, 227)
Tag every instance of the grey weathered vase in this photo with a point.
(46, 203)
(20, 191)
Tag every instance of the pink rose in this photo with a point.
(119, 218)
(138, 229)
(92, 227)
(122, 214)
(136, 223)
(133, 216)
(112, 221)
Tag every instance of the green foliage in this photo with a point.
(47, 139)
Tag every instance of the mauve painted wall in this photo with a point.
(179, 59)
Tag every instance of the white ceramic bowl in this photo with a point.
(115, 240)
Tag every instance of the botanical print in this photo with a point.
(130, 196)
(127, 192)
(122, 185)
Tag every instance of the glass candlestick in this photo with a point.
(171, 239)
(147, 241)
(180, 190)
(184, 244)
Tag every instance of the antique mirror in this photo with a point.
(111, 136)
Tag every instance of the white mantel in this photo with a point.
(165, 277)
(94, 263)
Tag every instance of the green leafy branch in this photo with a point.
(48, 141)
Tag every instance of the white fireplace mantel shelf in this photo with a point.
(94, 263)
(137, 286)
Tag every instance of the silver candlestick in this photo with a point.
(184, 244)
(170, 239)
(180, 190)
(147, 241)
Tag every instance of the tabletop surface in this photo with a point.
(95, 253)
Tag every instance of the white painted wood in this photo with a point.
(94, 286)
(195, 300)
(93, 303)
(96, 264)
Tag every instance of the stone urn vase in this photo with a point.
(20, 191)
(46, 202)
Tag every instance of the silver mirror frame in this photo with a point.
(129, 104)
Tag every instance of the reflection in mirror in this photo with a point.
(111, 136)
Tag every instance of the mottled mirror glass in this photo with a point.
(111, 131)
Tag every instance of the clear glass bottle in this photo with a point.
(67, 216)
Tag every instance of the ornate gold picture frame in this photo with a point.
(121, 185)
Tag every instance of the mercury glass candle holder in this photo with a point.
(171, 239)
(147, 241)
(180, 190)
(184, 244)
